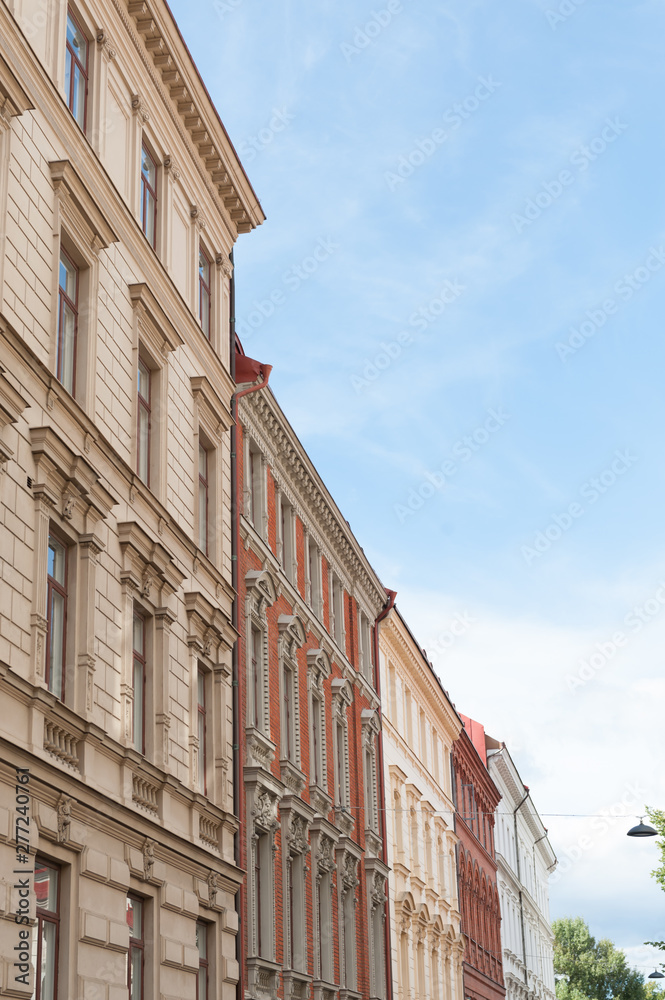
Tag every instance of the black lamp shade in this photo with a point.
(642, 830)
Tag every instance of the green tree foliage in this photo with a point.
(657, 818)
(596, 970)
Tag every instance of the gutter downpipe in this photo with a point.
(519, 879)
(392, 594)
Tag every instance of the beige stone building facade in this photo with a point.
(419, 728)
(121, 198)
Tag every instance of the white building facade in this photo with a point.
(121, 198)
(419, 728)
(525, 860)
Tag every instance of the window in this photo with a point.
(138, 684)
(436, 756)
(135, 954)
(203, 499)
(316, 742)
(254, 487)
(263, 910)
(287, 544)
(314, 572)
(325, 927)
(365, 646)
(47, 892)
(204, 291)
(202, 974)
(337, 624)
(56, 617)
(288, 718)
(76, 71)
(149, 196)
(201, 729)
(341, 796)
(409, 718)
(423, 738)
(256, 679)
(370, 789)
(144, 421)
(68, 296)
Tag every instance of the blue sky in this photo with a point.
(465, 250)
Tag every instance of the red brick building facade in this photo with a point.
(313, 906)
(476, 799)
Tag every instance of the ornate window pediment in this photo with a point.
(318, 665)
(262, 590)
(291, 635)
(146, 563)
(342, 694)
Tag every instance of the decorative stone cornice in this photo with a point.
(176, 80)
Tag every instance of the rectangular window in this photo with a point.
(365, 644)
(288, 735)
(286, 514)
(423, 738)
(68, 295)
(47, 892)
(201, 730)
(338, 612)
(202, 946)
(149, 196)
(264, 909)
(56, 617)
(314, 571)
(370, 791)
(76, 71)
(340, 764)
(204, 291)
(435, 756)
(203, 499)
(144, 421)
(255, 487)
(138, 684)
(256, 679)
(316, 742)
(135, 954)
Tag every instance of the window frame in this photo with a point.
(144, 405)
(201, 728)
(85, 71)
(204, 484)
(289, 722)
(140, 946)
(145, 190)
(207, 288)
(61, 589)
(53, 917)
(141, 657)
(204, 962)
(65, 300)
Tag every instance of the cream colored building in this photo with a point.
(525, 860)
(419, 728)
(121, 198)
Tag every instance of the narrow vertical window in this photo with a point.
(255, 678)
(316, 741)
(135, 954)
(203, 499)
(340, 764)
(138, 683)
(68, 294)
(57, 618)
(204, 291)
(149, 196)
(202, 946)
(143, 429)
(288, 741)
(48, 927)
(76, 71)
(201, 731)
